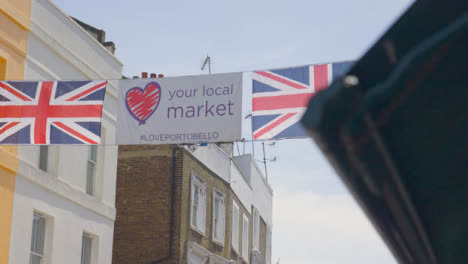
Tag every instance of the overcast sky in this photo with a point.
(315, 219)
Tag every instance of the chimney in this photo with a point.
(110, 46)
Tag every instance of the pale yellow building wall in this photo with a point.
(14, 27)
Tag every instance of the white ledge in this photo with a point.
(64, 190)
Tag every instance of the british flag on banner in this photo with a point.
(280, 97)
(55, 112)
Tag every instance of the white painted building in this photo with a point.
(64, 201)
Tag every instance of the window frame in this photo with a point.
(195, 204)
(199, 227)
(32, 251)
(91, 248)
(217, 195)
(255, 229)
(245, 238)
(235, 225)
(46, 157)
(3, 68)
(268, 245)
(91, 183)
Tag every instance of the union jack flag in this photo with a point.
(280, 97)
(56, 112)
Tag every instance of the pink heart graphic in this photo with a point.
(141, 103)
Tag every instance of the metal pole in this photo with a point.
(209, 65)
(264, 161)
(253, 145)
(207, 61)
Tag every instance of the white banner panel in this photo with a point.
(174, 110)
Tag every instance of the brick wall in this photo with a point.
(143, 203)
(211, 182)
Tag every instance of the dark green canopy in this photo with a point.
(396, 130)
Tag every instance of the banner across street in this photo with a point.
(171, 110)
(191, 109)
(280, 97)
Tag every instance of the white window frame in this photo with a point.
(46, 157)
(235, 227)
(268, 246)
(91, 175)
(218, 218)
(256, 228)
(245, 238)
(198, 217)
(34, 233)
(47, 237)
(93, 250)
(89, 249)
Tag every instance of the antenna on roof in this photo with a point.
(265, 160)
(207, 61)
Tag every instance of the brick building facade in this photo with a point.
(175, 205)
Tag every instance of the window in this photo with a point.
(256, 229)
(91, 170)
(235, 227)
(86, 248)
(219, 213)
(37, 239)
(245, 238)
(2, 69)
(268, 246)
(44, 158)
(103, 135)
(198, 204)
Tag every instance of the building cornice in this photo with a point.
(14, 14)
(8, 161)
(69, 56)
(84, 31)
(55, 185)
